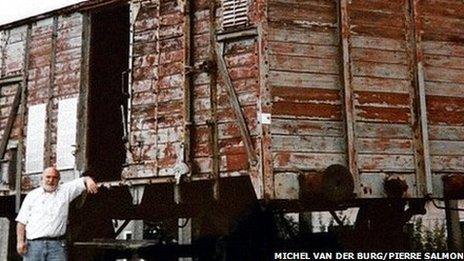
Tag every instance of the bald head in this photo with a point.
(50, 179)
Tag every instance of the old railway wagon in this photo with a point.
(190, 102)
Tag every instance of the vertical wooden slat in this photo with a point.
(134, 12)
(82, 107)
(156, 83)
(4, 37)
(213, 124)
(22, 113)
(187, 75)
(266, 171)
(51, 96)
(420, 124)
(422, 102)
(344, 32)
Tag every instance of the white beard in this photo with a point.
(49, 188)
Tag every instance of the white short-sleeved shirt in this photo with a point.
(45, 214)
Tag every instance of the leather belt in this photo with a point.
(48, 238)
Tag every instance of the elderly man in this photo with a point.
(43, 216)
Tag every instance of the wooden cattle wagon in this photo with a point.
(189, 102)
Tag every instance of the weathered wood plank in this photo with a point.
(393, 6)
(380, 85)
(371, 42)
(443, 36)
(381, 70)
(241, 60)
(436, 23)
(378, 56)
(306, 161)
(303, 64)
(380, 130)
(306, 95)
(443, 48)
(307, 110)
(383, 114)
(451, 62)
(301, 11)
(231, 130)
(381, 99)
(294, 35)
(385, 31)
(444, 75)
(385, 146)
(233, 162)
(445, 103)
(307, 80)
(447, 163)
(305, 50)
(444, 8)
(375, 163)
(308, 144)
(440, 117)
(444, 89)
(244, 98)
(376, 18)
(13, 58)
(454, 133)
(307, 127)
(446, 148)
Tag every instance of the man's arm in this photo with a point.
(21, 238)
(76, 187)
(90, 185)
